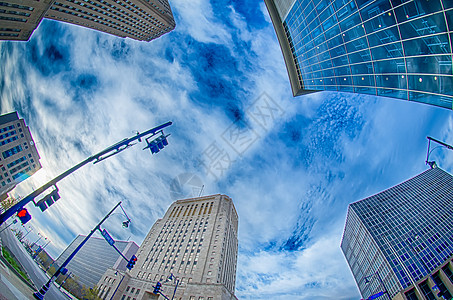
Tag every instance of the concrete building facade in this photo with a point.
(142, 20)
(95, 257)
(196, 242)
(391, 48)
(19, 158)
(401, 235)
(19, 18)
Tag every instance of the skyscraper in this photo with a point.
(391, 48)
(142, 20)
(196, 241)
(19, 158)
(404, 236)
(93, 259)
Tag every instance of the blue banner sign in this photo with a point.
(109, 239)
(375, 296)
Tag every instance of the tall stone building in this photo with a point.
(196, 242)
(404, 237)
(390, 48)
(142, 20)
(19, 158)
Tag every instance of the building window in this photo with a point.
(137, 292)
(127, 289)
(448, 272)
(410, 295)
(133, 289)
(427, 291)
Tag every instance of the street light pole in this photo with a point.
(383, 285)
(124, 275)
(40, 294)
(62, 282)
(432, 164)
(110, 151)
(40, 237)
(385, 291)
(25, 234)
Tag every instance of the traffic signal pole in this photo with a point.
(40, 294)
(110, 151)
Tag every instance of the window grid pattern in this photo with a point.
(122, 18)
(196, 241)
(93, 258)
(411, 224)
(19, 158)
(393, 48)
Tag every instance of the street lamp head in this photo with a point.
(126, 223)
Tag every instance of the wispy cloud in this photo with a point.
(81, 91)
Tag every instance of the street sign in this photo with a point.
(107, 237)
(375, 296)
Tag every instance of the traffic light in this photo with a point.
(48, 200)
(157, 288)
(23, 216)
(157, 144)
(131, 262)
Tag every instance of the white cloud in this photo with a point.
(198, 19)
(272, 188)
(317, 272)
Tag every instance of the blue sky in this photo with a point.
(291, 165)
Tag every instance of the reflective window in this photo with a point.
(365, 68)
(360, 56)
(385, 36)
(376, 9)
(429, 64)
(437, 44)
(388, 51)
(423, 26)
(356, 45)
(392, 93)
(391, 81)
(389, 66)
(364, 80)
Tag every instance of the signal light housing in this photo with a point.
(157, 288)
(131, 262)
(157, 144)
(48, 200)
(23, 216)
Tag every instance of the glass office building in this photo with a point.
(391, 48)
(402, 235)
(95, 257)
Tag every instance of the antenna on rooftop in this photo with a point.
(201, 191)
(432, 164)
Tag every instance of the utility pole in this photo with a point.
(110, 151)
(40, 294)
